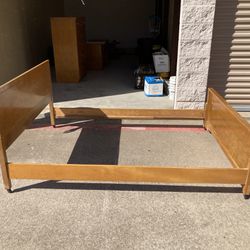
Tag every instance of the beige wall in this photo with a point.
(123, 20)
(24, 33)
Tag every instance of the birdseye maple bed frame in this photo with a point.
(24, 97)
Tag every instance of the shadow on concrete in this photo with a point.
(99, 140)
(97, 146)
(129, 187)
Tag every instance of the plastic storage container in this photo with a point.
(153, 86)
(172, 87)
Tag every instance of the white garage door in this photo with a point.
(238, 85)
(229, 71)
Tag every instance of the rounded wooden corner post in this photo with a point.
(51, 102)
(205, 117)
(4, 167)
(52, 113)
(207, 110)
(246, 186)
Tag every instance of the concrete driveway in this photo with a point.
(73, 215)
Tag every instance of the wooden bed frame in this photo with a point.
(24, 97)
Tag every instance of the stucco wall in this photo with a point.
(123, 20)
(195, 37)
(24, 33)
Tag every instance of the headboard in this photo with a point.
(22, 99)
(229, 128)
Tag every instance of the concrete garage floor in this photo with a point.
(73, 215)
(112, 87)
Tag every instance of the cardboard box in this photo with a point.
(96, 55)
(161, 61)
(153, 86)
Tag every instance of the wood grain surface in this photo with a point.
(22, 99)
(99, 113)
(127, 173)
(229, 128)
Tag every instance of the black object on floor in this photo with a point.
(141, 72)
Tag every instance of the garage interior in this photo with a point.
(128, 29)
(117, 51)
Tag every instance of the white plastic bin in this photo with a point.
(153, 86)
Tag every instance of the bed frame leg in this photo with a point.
(52, 114)
(205, 121)
(4, 166)
(246, 186)
(206, 126)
